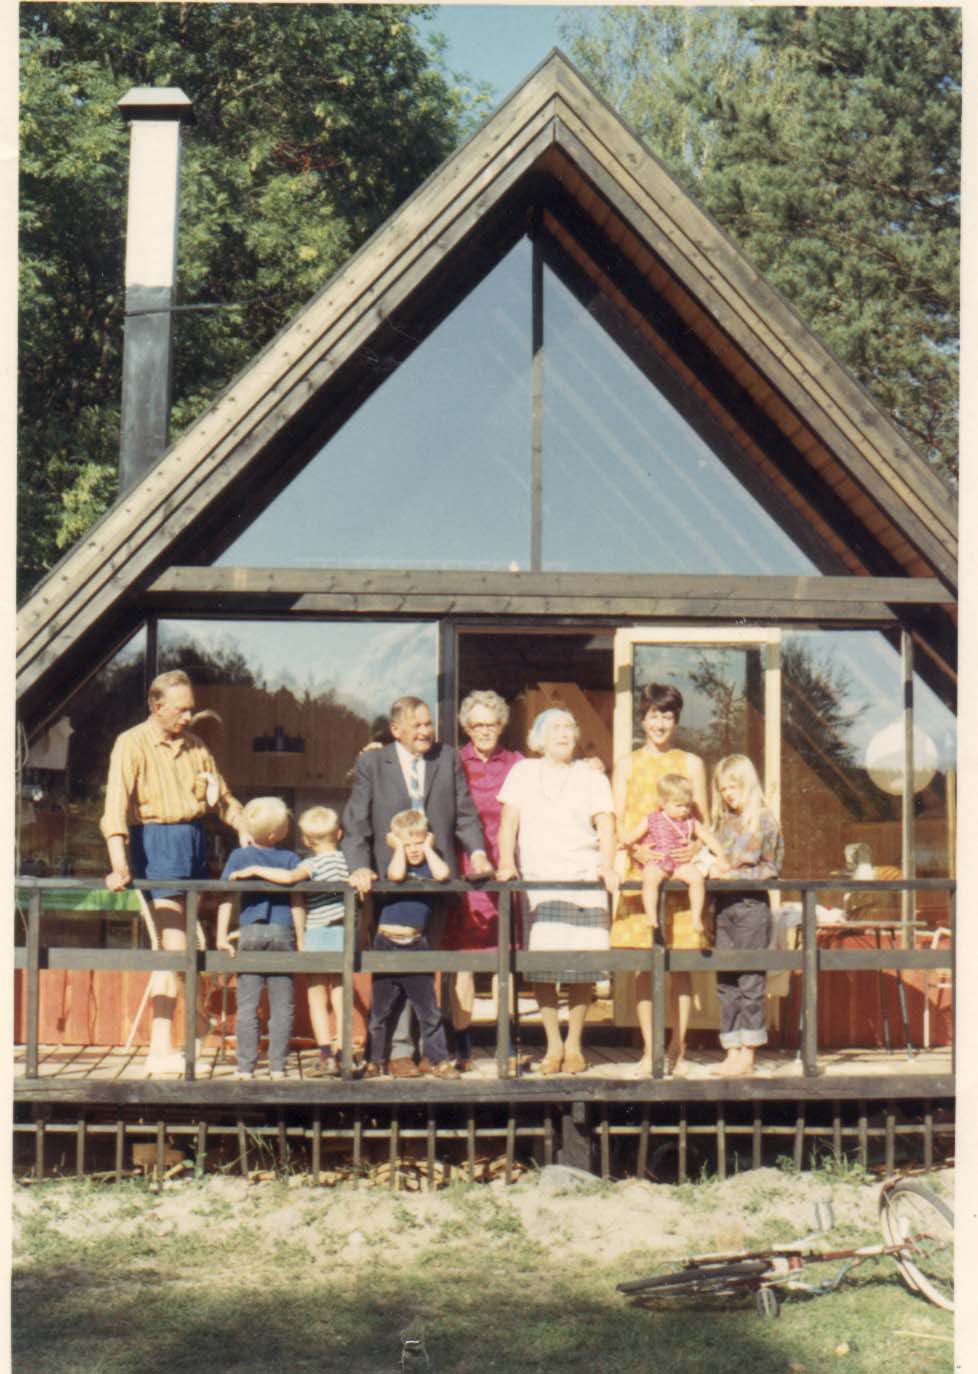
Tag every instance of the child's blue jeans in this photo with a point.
(281, 997)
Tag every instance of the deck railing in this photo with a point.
(507, 961)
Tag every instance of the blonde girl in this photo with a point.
(751, 839)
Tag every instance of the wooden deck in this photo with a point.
(109, 1073)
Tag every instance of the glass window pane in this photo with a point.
(433, 470)
(628, 486)
(723, 697)
(63, 782)
(298, 701)
(842, 702)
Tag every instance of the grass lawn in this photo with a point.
(106, 1281)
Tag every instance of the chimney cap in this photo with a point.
(157, 102)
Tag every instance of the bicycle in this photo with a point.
(918, 1234)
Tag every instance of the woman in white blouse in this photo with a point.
(562, 813)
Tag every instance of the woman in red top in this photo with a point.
(474, 925)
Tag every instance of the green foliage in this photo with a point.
(826, 141)
(314, 122)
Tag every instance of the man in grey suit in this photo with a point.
(413, 772)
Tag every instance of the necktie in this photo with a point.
(414, 784)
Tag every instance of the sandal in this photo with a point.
(551, 1064)
(574, 1063)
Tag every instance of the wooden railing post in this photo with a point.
(504, 942)
(190, 990)
(33, 981)
(659, 994)
(349, 960)
(809, 988)
(952, 902)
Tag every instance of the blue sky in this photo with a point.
(500, 44)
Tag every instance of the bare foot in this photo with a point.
(745, 1071)
(731, 1066)
(643, 1068)
(676, 1060)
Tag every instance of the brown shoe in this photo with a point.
(446, 1069)
(404, 1068)
(373, 1070)
(425, 1066)
(326, 1066)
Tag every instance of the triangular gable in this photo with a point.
(554, 124)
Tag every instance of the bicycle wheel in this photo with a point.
(913, 1217)
(697, 1278)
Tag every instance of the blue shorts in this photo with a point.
(325, 939)
(168, 851)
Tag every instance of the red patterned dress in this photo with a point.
(473, 924)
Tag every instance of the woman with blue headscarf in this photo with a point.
(561, 812)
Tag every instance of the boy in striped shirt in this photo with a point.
(320, 832)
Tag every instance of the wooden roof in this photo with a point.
(555, 154)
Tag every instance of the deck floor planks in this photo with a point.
(113, 1063)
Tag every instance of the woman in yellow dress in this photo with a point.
(635, 780)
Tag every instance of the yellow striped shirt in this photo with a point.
(156, 777)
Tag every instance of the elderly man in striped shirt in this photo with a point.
(162, 779)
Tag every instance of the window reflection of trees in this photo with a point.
(820, 718)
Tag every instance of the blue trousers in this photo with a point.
(391, 993)
(745, 924)
(281, 999)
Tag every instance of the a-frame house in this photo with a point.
(549, 431)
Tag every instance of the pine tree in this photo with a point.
(826, 141)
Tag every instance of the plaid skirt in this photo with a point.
(565, 926)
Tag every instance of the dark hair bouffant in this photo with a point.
(660, 696)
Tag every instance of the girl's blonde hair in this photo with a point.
(266, 816)
(673, 787)
(739, 766)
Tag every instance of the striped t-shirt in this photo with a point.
(325, 908)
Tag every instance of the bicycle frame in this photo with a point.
(917, 1228)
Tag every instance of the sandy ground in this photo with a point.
(555, 1208)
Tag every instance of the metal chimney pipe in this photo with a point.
(155, 116)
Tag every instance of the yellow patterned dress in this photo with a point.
(630, 928)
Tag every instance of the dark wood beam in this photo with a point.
(400, 591)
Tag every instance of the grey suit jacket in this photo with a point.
(379, 792)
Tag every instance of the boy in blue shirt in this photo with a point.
(402, 926)
(319, 830)
(266, 922)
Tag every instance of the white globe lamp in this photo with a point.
(884, 759)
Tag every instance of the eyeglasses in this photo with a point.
(485, 725)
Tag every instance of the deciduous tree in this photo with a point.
(313, 123)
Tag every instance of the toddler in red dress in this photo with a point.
(674, 827)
